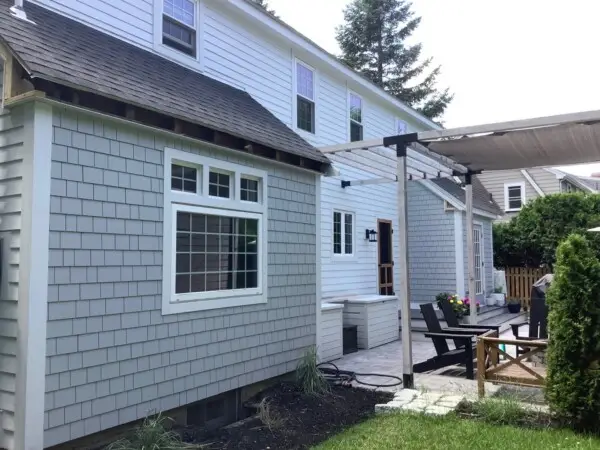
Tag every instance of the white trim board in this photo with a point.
(459, 252)
(532, 182)
(453, 200)
(33, 279)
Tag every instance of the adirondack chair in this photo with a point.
(464, 354)
(452, 321)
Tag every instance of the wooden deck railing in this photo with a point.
(519, 281)
(513, 370)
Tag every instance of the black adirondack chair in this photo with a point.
(463, 355)
(452, 321)
(538, 315)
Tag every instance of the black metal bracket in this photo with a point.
(401, 139)
(346, 184)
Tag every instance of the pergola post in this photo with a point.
(404, 294)
(470, 251)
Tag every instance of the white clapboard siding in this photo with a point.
(130, 20)
(11, 139)
(331, 346)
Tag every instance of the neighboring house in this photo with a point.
(511, 189)
(159, 235)
(438, 243)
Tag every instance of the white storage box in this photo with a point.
(331, 345)
(376, 318)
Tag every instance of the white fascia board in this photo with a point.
(532, 182)
(454, 201)
(301, 42)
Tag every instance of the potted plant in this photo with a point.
(457, 304)
(497, 297)
(514, 306)
(467, 304)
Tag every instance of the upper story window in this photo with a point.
(401, 127)
(215, 234)
(305, 97)
(179, 25)
(514, 196)
(356, 118)
(343, 233)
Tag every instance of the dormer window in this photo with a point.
(179, 25)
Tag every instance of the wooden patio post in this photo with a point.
(470, 250)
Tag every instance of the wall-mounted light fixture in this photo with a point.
(371, 235)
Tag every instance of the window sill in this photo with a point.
(191, 62)
(513, 210)
(175, 307)
(348, 258)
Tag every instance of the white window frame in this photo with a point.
(400, 126)
(519, 184)
(343, 255)
(202, 203)
(349, 114)
(295, 62)
(195, 62)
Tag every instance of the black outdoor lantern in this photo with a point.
(371, 235)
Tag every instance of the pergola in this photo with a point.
(543, 141)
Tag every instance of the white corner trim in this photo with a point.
(532, 182)
(459, 251)
(507, 185)
(33, 278)
(203, 203)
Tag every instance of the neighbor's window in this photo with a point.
(215, 234)
(179, 25)
(305, 97)
(356, 119)
(514, 196)
(343, 232)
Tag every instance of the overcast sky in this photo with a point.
(502, 59)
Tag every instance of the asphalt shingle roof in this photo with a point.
(67, 52)
(481, 196)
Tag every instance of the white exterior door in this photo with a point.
(478, 250)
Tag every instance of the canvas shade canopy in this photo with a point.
(543, 141)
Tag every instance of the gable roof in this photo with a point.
(481, 197)
(67, 52)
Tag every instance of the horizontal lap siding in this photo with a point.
(241, 57)
(331, 335)
(112, 356)
(432, 257)
(11, 185)
(130, 20)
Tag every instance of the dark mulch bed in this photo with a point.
(304, 420)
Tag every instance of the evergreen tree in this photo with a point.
(373, 43)
(265, 4)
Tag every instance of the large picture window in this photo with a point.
(215, 234)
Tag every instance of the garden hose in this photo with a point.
(336, 376)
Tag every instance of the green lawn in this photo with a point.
(414, 432)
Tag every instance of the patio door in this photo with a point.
(385, 258)
(478, 250)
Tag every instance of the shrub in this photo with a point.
(152, 434)
(308, 375)
(573, 384)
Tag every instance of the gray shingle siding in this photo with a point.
(112, 356)
(432, 257)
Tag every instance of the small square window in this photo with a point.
(249, 190)
(219, 184)
(184, 179)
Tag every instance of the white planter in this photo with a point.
(496, 299)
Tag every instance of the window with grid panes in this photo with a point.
(184, 178)
(305, 98)
(343, 233)
(179, 25)
(219, 184)
(356, 125)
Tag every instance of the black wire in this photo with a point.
(346, 377)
